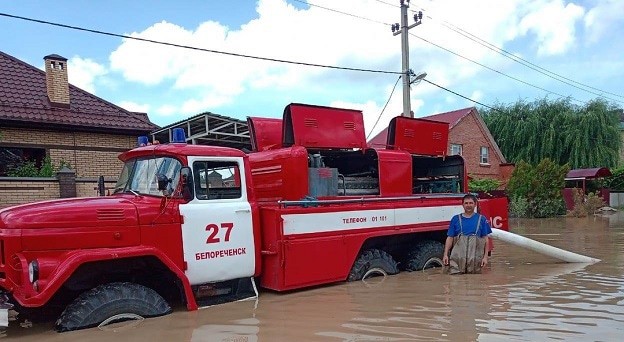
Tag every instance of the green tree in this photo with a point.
(616, 180)
(535, 191)
(581, 136)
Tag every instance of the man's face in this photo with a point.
(469, 205)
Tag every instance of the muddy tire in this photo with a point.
(105, 301)
(372, 261)
(425, 254)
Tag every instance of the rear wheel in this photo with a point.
(372, 262)
(425, 254)
(112, 302)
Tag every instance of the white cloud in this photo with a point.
(319, 36)
(476, 95)
(166, 110)
(553, 23)
(82, 72)
(195, 106)
(606, 14)
(134, 107)
(281, 32)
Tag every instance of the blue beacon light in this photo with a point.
(142, 141)
(178, 136)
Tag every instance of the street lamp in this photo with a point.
(416, 79)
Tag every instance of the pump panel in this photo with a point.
(323, 127)
(418, 136)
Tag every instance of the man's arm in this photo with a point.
(447, 247)
(487, 230)
(484, 261)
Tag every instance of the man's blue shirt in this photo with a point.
(469, 225)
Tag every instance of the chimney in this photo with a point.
(56, 80)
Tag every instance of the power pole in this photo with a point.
(407, 72)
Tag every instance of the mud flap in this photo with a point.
(224, 292)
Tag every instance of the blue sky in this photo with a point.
(579, 40)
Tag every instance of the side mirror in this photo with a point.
(163, 181)
(186, 177)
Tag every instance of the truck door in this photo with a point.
(217, 232)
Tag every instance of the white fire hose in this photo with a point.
(558, 253)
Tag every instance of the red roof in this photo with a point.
(24, 101)
(596, 172)
(452, 118)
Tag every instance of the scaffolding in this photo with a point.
(209, 129)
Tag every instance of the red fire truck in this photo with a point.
(312, 204)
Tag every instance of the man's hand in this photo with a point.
(445, 260)
(484, 261)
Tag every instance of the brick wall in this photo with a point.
(87, 187)
(89, 154)
(469, 134)
(14, 191)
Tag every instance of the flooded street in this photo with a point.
(522, 296)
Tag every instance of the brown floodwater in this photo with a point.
(521, 296)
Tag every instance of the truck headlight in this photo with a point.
(33, 271)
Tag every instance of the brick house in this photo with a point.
(42, 115)
(470, 138)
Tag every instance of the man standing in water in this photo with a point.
(467, 240)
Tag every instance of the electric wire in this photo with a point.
(384, 108)
(482, 65)
(341, 12)
(386, 3)
(519, 59)
(492, 69)
(197, 48)
(275, 59)
(462, 96)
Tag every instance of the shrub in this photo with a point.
(29, 169)
(585, 206)
(616, 180)
(594, 202)
(483, 184)
(540, 186)
(579, 209)
(518, 207)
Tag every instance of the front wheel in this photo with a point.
(109, 302)
(372, 262)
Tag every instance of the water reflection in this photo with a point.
(521, 296)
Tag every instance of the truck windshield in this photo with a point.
(141, 175)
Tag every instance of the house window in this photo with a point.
(485, 155)
(456, 150)
(12, 158)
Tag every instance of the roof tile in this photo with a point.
(23, 99)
